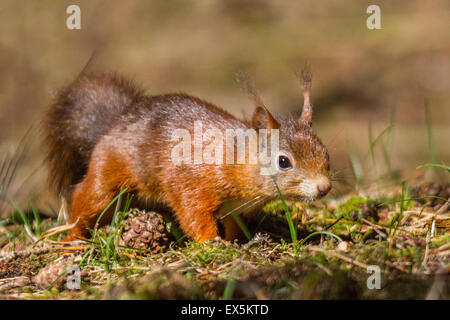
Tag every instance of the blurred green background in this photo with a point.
(361, 76)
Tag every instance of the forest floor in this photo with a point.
(395, 245)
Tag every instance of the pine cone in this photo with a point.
(55, 274)
(145, 230)
(429, 192)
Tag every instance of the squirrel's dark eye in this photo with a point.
(284, 163)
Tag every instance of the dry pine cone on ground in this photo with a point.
(56, 274)
(431, 194)
(145, 230)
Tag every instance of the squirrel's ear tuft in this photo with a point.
(262, 119)
(307, 112)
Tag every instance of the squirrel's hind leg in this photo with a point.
(87, 205)
(93, 194)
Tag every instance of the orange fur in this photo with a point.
(104, 135)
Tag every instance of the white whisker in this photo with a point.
(245, 205)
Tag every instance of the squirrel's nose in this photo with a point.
(323, 188)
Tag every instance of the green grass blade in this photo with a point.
(229, 289)
(434, 165)
(414, 198)
(241, 225)
(320, 232)
(107, 207)
(357, 168)
(237, 219)
(429, 133)
(292, 229)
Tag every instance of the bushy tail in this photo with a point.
(81, 114)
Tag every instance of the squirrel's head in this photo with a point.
(300, 163)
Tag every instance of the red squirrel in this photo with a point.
(104, 135)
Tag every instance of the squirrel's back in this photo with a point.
(81, 114)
